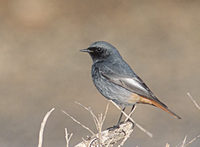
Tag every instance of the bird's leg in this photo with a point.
(131, 112)
(132, 109)
(118, 123)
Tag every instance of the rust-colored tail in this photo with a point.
(159, 105)
(165, 109)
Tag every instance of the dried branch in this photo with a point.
(192, 99)
(130, 113)
(139, 126)
(42, 127)
(78, 122)
(67, 137)
(184, 144)
(184, 141)
(98, 120)
(191, 141)
(109, 137)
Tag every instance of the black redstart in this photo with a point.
(116, 81)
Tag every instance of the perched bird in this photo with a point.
(116, 81)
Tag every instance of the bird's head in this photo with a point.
(101, 50)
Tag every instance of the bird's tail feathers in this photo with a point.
(159, 105)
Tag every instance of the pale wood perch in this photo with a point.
(109, 137)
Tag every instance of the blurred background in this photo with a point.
(41, 66)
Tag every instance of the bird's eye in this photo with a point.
(99, 50)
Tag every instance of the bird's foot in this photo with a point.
(131, 122)
(115, 126)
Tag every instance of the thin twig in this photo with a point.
(178, 144)
(128, 135)
(184, 141)
(105, 113)
(195, 103)
(181, 143)
(186, 144)
(140, 127)
(100, 122)
(42, 127)
(191, 141)
(78, 122)
(67, 137)
(91, 112)
(97, 120)
(130, 113)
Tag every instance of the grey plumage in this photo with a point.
(115, 79)
(112, 71)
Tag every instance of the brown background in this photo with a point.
(41, 66)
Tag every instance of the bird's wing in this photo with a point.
(136, 85)
(131, 83)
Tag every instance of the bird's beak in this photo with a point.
(86, 50)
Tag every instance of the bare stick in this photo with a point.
(93, 115)
(97, 120)
(130, 113)
(191, 141)
(184, 141)
(42, 127)
(140, 127)
(67, 137)
(78, 122)
(109, 137)
(105, 113)
(186, 144)
(100, 122)
(195, 103)
(91, 112)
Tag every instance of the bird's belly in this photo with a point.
(113, 92)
